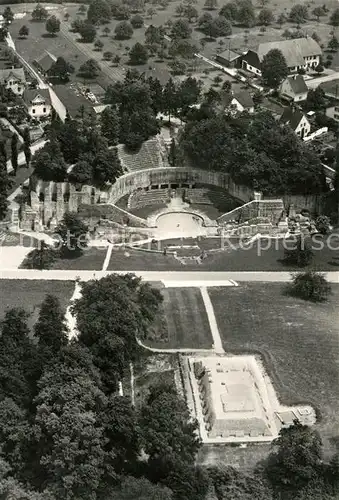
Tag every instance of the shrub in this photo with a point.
(322, 224)
(309, 285)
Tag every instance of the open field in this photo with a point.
(30, 294)
(297, 340)
(262, 255)
(184, 322)
(91, 259)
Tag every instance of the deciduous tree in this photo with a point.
(123, 31)
(52, 25)
(266, 17)
(138, 54)
(39, 13)
(181, 29)
(99, 11)
(334, 19)
(298, 14)
(90, 69)
(73, 234)
(274, 68)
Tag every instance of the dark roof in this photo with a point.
(275, 108)
(291, 117)
(18, 73)
(229, 55)
(244, 98)
(294, 50)
(46, 61)
(298, 84)
(331, 87)
(30, 94)
(71, 100)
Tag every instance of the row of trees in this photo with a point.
(66, 433)
(255, 151)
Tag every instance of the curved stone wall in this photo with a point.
(130, 182)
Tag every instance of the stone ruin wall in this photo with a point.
(49, 200)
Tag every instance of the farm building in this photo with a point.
(300, 53)
(45, 62)
(229, 58)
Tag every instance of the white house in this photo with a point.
(13, 79)
(299, 53)
(38, 102)
(296, 119)
(294, 88)
(238, 101)
(333, 112)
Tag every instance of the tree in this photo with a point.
(40, 258)
(298, 14)
(73, 234)
(99, 11)
(138, 54)
(123, 13)
(14, 152)
(170, 98)
(211, 4)
(107, 55)
(297, 459)
(188, 93)
(319, 69)
(27, 145)
(110, 125)
(281, 19)
(316, 37)
(230, 11)
(106, 166)
(87, 32)
(266, 17)
(81, 173)
(123, 31)
(181, 29)
(141, 489)
(246, 14)
(39, 13)
(106, 31)
(98, 44)
(183, 48)
(151, 12)
(218, 26)
(334, 19)
(190, 13)
(322, 224)
(137, 21)
(318, 12)
(50, 329)
(61, 70)
(316, 99)
(333, 44)
(8, 15)
(49, 164)
(24, 31)
(5, 184)
(110, 313)
(301, 254)
(52, 25)
(274, 68)
(90, 69)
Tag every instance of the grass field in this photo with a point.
(184, 322)
(264, 255)
(29, 294)
(92, 259)
(297, 340)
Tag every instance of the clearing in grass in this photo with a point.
(297, 340)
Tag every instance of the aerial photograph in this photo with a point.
(169, 250)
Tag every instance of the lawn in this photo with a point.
(29, 294)
(92, 259)
(183, 322)
(262, 255)
(297, 340)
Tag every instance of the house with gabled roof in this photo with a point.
(13, 79)
(237, 101)
(294, 88)
(299, 53)
(297, 120)
(38, 102)
(45, 62)
(228, 58)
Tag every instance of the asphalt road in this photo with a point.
(203, 278)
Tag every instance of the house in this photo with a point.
(38, 102)
(333, 112)
(296, 119)
(299, 53)
(294, 88)
(229, 58)
(331, 88)
(273, 107)
(45, 62)
(13, 79)
(238, 101)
